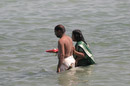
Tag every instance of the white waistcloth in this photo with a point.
(67, 63)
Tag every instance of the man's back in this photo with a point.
(66, 44)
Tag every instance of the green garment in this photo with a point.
(88, 60)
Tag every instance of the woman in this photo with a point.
(82, 53)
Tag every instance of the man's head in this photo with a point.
(59, 30)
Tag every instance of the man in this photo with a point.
(65, 47)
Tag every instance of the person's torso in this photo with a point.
(68, 44)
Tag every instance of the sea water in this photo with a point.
(27, 31)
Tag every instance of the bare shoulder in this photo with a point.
(61, 41)
(64, 39)
(69, 38)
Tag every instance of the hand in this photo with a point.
(58, 70)
(76, 62)
(73, 49)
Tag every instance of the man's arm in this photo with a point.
(61, 54)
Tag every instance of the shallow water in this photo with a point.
(26, 31)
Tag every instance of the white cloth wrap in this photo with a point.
(68, 62)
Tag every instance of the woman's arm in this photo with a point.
(78, 54)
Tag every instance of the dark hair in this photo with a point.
(78, 35)
(60, 27)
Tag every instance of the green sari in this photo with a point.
(88, 60)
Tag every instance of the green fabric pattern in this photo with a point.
(88, 60)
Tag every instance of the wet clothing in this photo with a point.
(68, 63)
(88, 60)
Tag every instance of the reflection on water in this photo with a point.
(26, 31)
(75, 76)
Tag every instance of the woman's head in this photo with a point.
(77, 35)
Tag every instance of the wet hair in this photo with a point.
(78, 36)
(60, 27)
